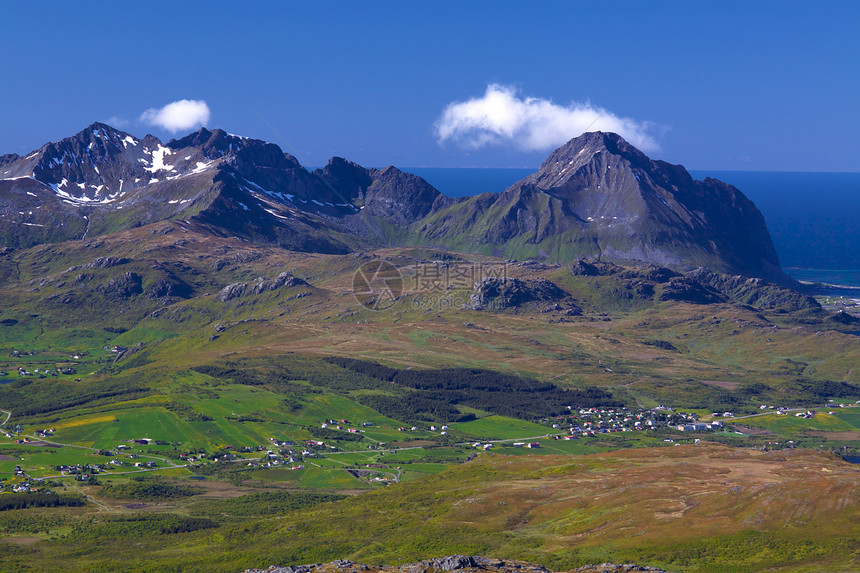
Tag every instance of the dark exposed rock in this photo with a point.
(594, 268)
(653, 273)
(285, 280)
(685, 289)
(401, 197)
(232, 291)
(452, 563)
(509, 293)
(124, 285)
(259, 286)
(169, 287)
(107, 262)
(842, 317)
(755, 292)
(642, 289)
(582, 268)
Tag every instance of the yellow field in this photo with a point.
(84, 421)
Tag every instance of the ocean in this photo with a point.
(813, 218)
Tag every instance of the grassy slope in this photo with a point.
(690, 508)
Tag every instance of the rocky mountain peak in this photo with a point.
(350, 179)
(8, 158)
(400, 196)
(217, 143)
(213, 144)
(582, 150)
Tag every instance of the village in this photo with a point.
(335, 437)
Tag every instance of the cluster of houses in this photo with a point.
(82, 472)
(335, 426)
(24, 487)
(41, 371)
(19, 354)
(699, 426)
(44, 372)
(272, 463)
(593, 421)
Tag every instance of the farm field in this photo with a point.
(501, 428)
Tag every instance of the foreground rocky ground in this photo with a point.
(470, 564)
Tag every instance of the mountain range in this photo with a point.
(252, 332)
(596, 197)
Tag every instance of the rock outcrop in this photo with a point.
(463, 563)
(259, 286)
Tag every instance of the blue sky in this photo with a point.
(711, 85)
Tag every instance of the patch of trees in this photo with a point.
(821, 389)
(439, 391)
(27, 397)
(245, 377)
(149, 490)
(800, 392)
(272, 373)
(268, 503)
(371, 369)
(134, 357)
(134, 527)
(292, 403)
(330, 434)
(429, 458)
(25, 500)
(245, 418)
(409, 395)
(412, 408)
(187, 413)
(664, 344)
(23, 523)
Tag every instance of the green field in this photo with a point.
(851, 417)
(502, 428)
(788, 425)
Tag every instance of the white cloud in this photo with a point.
(117, 121)
(501, 117)
(178, 116)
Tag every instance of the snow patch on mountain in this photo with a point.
(157, 163)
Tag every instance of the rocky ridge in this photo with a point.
(596, 196)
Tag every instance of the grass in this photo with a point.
(501, 427)
(695, 508)
(852, 418)
(790, 426)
